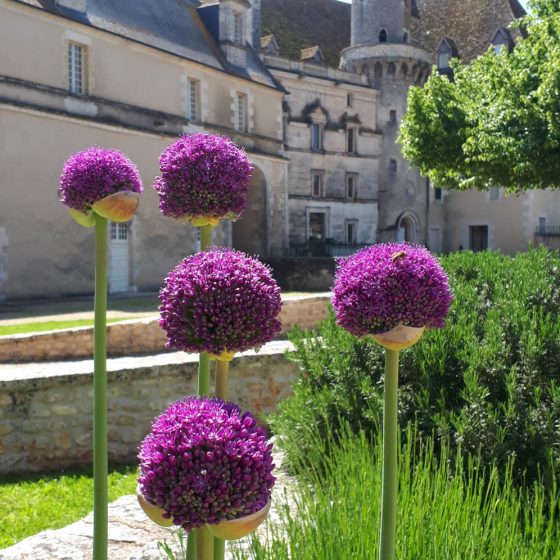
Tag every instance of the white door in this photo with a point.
(118, 257)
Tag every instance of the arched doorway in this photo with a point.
(407, 224)
(249, 233)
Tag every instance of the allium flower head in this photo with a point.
(205, 462)
(203, 177)
(219, 301)
(93, 175)
(389, 284)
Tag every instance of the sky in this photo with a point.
(523, 2)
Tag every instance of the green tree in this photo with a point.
(498, 122)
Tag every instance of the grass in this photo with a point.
(40, 502)
(445, 512)
(43, 326)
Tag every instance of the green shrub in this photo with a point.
(446, 511)
(489, 381)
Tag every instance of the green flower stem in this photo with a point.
(191, 546)
(222, 370)
(205, 237)
(204, 544)
(219, 549)
(100, 445)
(200, 542)
(221, 391)
(389, 479)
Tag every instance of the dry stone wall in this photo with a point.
(137, 336)
(46, 412)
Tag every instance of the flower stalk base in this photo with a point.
(387, 537)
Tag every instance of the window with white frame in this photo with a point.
(238, 27)
(351, 232)
(351, 186)
(241, 120)
(351, 140)
(193, 109)
(119, 231)
(317, 183)
(77, 68)
(316, 136)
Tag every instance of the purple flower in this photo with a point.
(389, 284)
(205, 462)
(219, 301)
(203, 176)
(94, 174)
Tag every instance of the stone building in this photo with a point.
(130, 75)
(313, 89)
(394, 45)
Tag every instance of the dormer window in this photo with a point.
(383, 36)
(269, 45)
(443, 59)
(312, 55)
(445, 52)
(238, 28)
(502, 41)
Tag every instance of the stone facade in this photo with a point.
(139, 69)
(46, 410)
(332, 141)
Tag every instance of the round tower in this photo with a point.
(383, 49)
(373, 20)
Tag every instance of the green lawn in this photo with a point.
(42, 326)
(40, 502)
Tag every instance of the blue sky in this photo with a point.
(524, 2)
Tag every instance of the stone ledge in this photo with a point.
(132, 337)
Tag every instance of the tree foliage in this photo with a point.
(498, 122)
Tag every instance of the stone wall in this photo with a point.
(46, 411)
(140, 336)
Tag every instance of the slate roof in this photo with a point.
(299, 24)
(173, 26)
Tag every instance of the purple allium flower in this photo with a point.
(203, 176)
(94, 174)
(389, 284)
(205, 462)
(219, 300)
